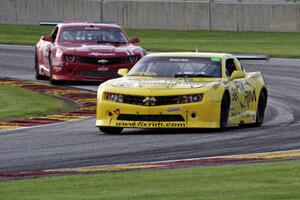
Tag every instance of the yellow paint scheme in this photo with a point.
(244, 94)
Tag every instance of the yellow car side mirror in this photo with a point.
(123, 71)
(237, 74)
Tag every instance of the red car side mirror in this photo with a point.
(47, 38)
(134, 40)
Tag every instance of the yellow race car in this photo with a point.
(182, 90)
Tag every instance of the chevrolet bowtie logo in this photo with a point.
(102, 61)
(149, 101)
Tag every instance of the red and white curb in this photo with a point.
(255, 157)
(86, 100)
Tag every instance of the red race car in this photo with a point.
(85, 52)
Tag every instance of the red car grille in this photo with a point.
(107, 61)
(94, 74)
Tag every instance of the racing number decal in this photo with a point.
(242, 94)
(250, 95)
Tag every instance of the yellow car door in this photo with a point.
(237, 90)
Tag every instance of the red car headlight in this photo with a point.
(133, 58)
(70, 58)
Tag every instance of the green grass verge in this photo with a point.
(16, 103)
(275, 44)
(22, 34)
(246, 181)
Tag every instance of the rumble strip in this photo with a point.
(234, 159)
(87, 101)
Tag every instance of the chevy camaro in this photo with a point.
(182, 90)
(85, 52)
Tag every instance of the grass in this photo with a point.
(22, 34)
(278, 180)
(19, 103)
(275, 44)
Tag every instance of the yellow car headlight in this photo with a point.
(115, 97)
(190, 98)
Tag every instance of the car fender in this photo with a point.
(217, 91)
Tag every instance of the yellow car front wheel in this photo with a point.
(225, 105)
(261, 107)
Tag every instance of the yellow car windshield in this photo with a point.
(177, 67)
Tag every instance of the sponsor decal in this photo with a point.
(102, 69)
(250, 96)
(152, 124)
(236, 114)
(142, 73)
(101, 54)
(178, 59)
(216, 59)
(173, 109)
(216, 86)
(159, 83)
(244, 93)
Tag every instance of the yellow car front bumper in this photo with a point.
(204, 114)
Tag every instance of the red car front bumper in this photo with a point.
(87, 72)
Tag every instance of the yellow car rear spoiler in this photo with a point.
(252, 57)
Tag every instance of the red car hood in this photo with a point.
(100, 49)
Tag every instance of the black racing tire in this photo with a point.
(261, 107)
(224, 114)
(55, 82)
(110, 130)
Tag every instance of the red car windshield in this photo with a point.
(92, 34)
(177, 67)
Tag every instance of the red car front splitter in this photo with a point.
(87, 101)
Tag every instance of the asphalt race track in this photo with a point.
(81, 144)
